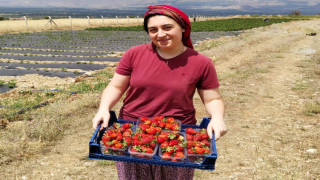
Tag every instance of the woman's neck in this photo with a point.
(171, 53)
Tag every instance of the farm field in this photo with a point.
(54, 53)
(270, 82)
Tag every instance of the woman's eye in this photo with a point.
(167, 28)
(152, 30)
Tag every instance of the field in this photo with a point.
(270, 83)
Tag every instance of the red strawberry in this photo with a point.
(190, 131)
(136, 142)
(164, 144)
(161, 138)
(162, 124)
(190, 151)
(179, 154)
(143, 118)
(152, 145)
(127, 125)
(175, 127)
(197, 137)
(113, 135)
(106, 139)
(151, 130)
(190, 144)
(149, 150)
(178, 147)
(206, 151)
(168, 126)
(127, 141)
(119, 137)
(170, 120)
(166, 156)
(205, 142)
(173, 142)
(189, 137)
(119, 145)
(169, 150)
(126, 134)
(199, 150)
(204, 136)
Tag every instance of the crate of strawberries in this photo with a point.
(155, 140)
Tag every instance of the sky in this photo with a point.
(189, 4)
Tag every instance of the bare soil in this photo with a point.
(268, 77)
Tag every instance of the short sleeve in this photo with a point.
(125, 65)
(209, 78)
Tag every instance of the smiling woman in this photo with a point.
(161, 78)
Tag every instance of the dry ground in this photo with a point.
(269, 78)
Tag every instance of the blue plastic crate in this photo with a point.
(95, 149)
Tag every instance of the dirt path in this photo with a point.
(260, 72)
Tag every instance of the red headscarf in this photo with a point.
(179, 16)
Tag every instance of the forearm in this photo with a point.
(110, 96)
(113, 92)
(215, 109)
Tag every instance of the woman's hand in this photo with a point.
(217, 126)
(101, 117)
(212, 100)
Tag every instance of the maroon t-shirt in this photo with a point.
(157, 88)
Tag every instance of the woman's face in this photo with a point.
(164, 32)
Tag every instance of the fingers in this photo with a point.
(95, 123)
(210, 131)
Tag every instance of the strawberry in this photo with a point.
(151, 130)
(170, 120)
(175, 127)
(143, 118)
(106, 139)
(136, 142)
(119, 145)
(158, 118)
(166, 156)
(127, 141)
(199, 150)
(179, 154)
(197, 137)
(190, 151)
(205, 142)
(189, 137)
(149, 150)
(204, 136)
(190, 144)
(190, 131)
(162, 124)
(119, 137)
(113, 135)
(173, 142)
(206, 151)
(126, 134)
(164, 145)
(127, 125)
(169, 150)
(178, 147)
(161, 138)
(168, 126)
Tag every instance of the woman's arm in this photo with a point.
(213, 102)
(110, 96)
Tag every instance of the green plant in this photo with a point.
(2, 83)
(11, 84)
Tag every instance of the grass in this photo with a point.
(233, 24)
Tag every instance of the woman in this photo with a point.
(160, 79)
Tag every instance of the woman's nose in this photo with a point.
(161, 33)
